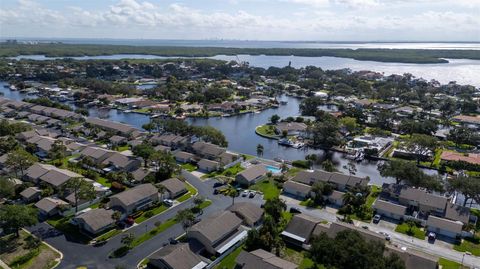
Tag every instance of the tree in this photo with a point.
(232, 192)
(58, 150)
(14, 217)
(259, 150)
(468, 186)
(325, 132)
(408, 173)
(7, 188)
(328, 166)
(81, 189)
(164, 164)
(309, 106)
(274, 119)
(145, 151)
(275, 207)
(349, 123)
(161, 189)
(127, 240)
(321, 189)
(7, 144)
(117, 215)
(421, 145)
(20, 160)
(149, 126)
(186, 218)
(464, 135)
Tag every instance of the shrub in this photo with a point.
(120, 252)
(301, 164)
(157, 223)
(25, 258)
(149, 214)
(116, 186)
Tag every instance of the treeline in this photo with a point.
(380, 55)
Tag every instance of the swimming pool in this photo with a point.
(273, 169)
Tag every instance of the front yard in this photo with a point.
(27, 252)
(267, 187)
(189, 167)
(229, 172)
(71, 231)
(447, 264)
(471, 245)
(191, 192)
(413, 230)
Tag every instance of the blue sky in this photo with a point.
(326, 20)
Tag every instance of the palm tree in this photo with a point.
(186, 218)
(348, 198)
(232, 192)
(161, 189)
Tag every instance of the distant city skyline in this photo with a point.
(270, 20)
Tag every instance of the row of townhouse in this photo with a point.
(300, 186)
(434, 211)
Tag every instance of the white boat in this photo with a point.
(13, 87)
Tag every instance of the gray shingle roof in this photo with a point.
(173, 185)
(249, 211)
(176, 256)
(136, 194)
(216, 227)
(97, 218)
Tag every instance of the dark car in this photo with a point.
(431, 237)
(215, 191)
(173, 241)
(251, 194)
(295, 210)
(218, 184)
(376, 218)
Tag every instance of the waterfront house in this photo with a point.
(137, 198)
(297, 190)
(290, 128)
(207, 150)
(251, 175)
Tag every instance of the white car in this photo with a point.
(168, 202)
(245, 193)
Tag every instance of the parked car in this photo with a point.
(244, 193)
(173, 241)
(432, 236)
(168, 202)
(218, 184)
(295, 210)
(252, 194)
(129, 221)
(377, 218)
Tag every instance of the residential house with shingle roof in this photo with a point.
(31, 194)
(262, 259)
(176, 257)
(208, 150)
(297, 190)
(95, 221)
(218, 233)
(174, 186)
(251, 175)
(119, 162)
(444, 227)
(35, 171)
(389, 209)
(137, 198)
(50, 206)
(208, 165)
(251, 214)
(300, 229)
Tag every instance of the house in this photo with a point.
(96, 220)
(291, 128)
(296, 189)
(251, 175)
(341, 182)
(163, 148)
(415, 198)
(34, 172)
(444, 227)
(207, 150)
(3, 162)
(183, 157)
(136, 198)
(97, 155)
(140, 174)
(117, 140)
(390, 210)
(251, 214)
(115, 127)
(262, 259)
(170, 140)
(457, 213)
(468, 120)
(57, 177)
(300, 229)
(218, 232)
(335, 198)
(208, 165)
(174, 187)
(31, 194)
(413, 259)
(50, 206)
(176, 257)
(227, 158)
(119, 162)
(332, 229)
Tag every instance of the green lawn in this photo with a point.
(189, 167)
(267, 187)
(150, 213)
(416, 231)
(266, 131)
(109, 234)
(232, 171)
(123, 148)
(104, 182)
(447, 264)
(146, 236)
(191, 192)
(470, 245)
(374, 192)
(229, 261)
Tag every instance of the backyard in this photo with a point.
(231, 171)
(267, 187)
(27, 252)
